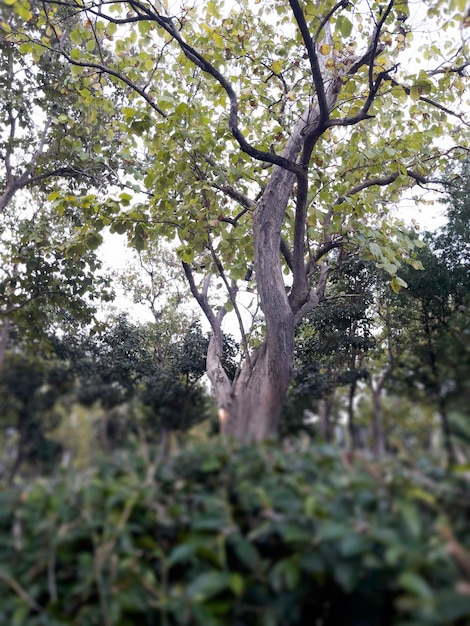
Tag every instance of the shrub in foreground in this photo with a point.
(232, 535)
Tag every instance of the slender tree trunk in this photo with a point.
(4, 339)
(447, 433)
(378, 432)
(325, 419)
(351, 417)
(441, 403)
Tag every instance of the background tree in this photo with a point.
(156, 281)
(29, 390)
(138, 393)
(273, 134)
(42, 284)
(438, 354)
(331, 343)
(49, 147)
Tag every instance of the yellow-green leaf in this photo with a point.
(325, 49)
(397, 284)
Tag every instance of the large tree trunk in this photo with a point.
(251, 407)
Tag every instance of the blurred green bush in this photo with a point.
(238, 535)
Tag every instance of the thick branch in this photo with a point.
(374, 47)
(201, 298)
(239, 197)
(380, 181)
(370, 182)
(26, 179)
(315, 296)
(312, 56)
(102, 68)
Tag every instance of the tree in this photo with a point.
(156, 281)
(130, 366)
(42, 284)
(438, 350)
(49, 270)
(273, 134)
(29, 390)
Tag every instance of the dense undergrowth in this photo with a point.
(240, 536)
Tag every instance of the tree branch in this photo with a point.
(315, 296)
(381, 181)
(220, 381)
(287, 254)
(201, 297)
(167, 24)
(101, 68)
(431, 102)
(231, 290)
(312, 56)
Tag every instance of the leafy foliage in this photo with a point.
(237, 535)
(43, 285)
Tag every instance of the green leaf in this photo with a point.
(76, 37)
(294, 533)
(414, 93)
(245, 551)
(138, 242)
(208, 585)
(119, 227)
(415, 264)
(237, 584)
(414, 584)
(352, 545)
(412, 518)
(187, 255)
(94, 241)
(181, 554)
(344, 26)
(376, 250)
